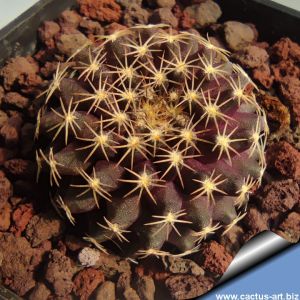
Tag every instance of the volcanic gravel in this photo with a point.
(41, 257)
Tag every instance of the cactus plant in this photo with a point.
(153, 138)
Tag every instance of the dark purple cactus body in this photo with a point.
(153, 135)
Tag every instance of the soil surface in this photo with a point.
(40, 255)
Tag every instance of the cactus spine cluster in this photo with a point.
(153, 138)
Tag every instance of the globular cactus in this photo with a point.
(153, 138)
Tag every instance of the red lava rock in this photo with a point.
(59, 273)
(20, 70)
(285, 48)
(40, 292)
(263, 75)
(20, 167)
(277, 113)
(47, 32)
(279, 196)
(21, 217)
(101, 10)
(5, 213)
(255, 220)
(290, 90)
(251, 56)
(238, 35)
(16, 266)
(86, 281)
(285, 159)
(163, 16)
(6, 190)
(44, 227)
(69, 43)
(188, 286)
(215, 258)
(69, 18)
(290, 227)
(105, 291)
(205, 13)
(16, 100)
(134, 14)
(285, 68)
